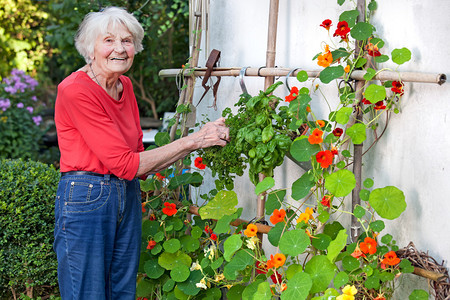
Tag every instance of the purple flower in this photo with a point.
(37, 120)
(5, 104)
(30, 109)
(20, 105)
(34, 98)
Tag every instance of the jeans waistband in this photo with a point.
(87, 173)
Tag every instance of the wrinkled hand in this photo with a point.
(212, 134)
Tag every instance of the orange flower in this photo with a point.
(325, 59)
(380, 297)
(390, 258)
(143, 208)
(292, 95)
(379, 105)
(369, 246)
(169, 208)
(308, 108)
(159, 176)
(151, 245)
(347, 69)
(309, 211)
(316, 137)
(270, 263)
(199, 163)
(320, 123)
(277, 216)
(251, 230)
(358, 253)
(306, 216)
(334, 150)
(325, 158)
(326, 24)
(279, 260)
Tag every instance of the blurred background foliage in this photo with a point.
(36, 36)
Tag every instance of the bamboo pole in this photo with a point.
(438, 78)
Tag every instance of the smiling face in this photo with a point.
(113, 52)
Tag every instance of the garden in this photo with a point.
(323, 236)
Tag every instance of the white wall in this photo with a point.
(413, 155)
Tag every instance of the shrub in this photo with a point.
(27, 193)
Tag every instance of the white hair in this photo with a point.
(96, 23)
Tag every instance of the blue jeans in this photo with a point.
(97, 237)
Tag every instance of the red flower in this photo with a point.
(261, 268)
(372, 50)
(277, 216)
(152, 217)
(358, 253)
(391, 259)
(369, 246)
(342, 30)
(213, 237)
(276, 277)
(365, 101)
(380, 298)
(208, 230)
(326, 200)
(334, 151)
(325, 158)
(159, 176)
(151, 245)
(397, 87)
(292, 95)
(199, 163)
(316, 137)
(379, 105)
(326, 24)
(337, 132)
(170, 208)
(143, 207)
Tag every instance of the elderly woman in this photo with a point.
(98, 207)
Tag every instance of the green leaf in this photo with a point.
(153, 269)
(292, 270)
(418, 295)
(321, 241)
(340, 183)
(217, 263)
(368, 183)
(321, 271)
(372, 282)
(162, 138)
(389, 202)
(301, 150)
(298, 288)
(294, 242)
(170, 260)
(196, 232)
(180, 273)
(330, 73)
(400, 56)
(186, 178)
(364, 194)
(333, 229)
(406, 266)
(189, 286)
(231, 245)
(302, 76)
(386, 239)
(144, 288)
(263, 291)
(375, 93)
(359, 211)
(377, 225)
(361, 31)
(370, 73)
(357, 132)
(338, 53)
(340, 2)
(360, 62)
(343, 115)
(264, 185)
(381, 59)
(372, 5)
(189, 243)
(302, 186)
(235, 292)
(340, 280)
(172, 245)
(251, 289)
(337, 245)
(267, 133)
(274, 201)
(168, 286)
(350, 16)
(222, 204)
(274, 234)
(240, 261)
(350, 263)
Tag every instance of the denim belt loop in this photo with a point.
(107, 177)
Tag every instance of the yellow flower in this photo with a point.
(304, 217)
(4, 119)
(345, 297)
(219, 277)
(309, 211)
(349, 290)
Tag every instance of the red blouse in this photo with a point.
(96, 132)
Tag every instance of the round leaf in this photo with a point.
(294, 242)
(343, 115)
(189, 286)
(298, 288)
(357, 132)
(302, 76)
(340, 183)
(330, 73)
(400, 56)
(340, 280)
(418, 295)
(153, 269)
(170, 260)
(264, 185)
(302, 186)
(301, 150)
(321, 271)
(368, 183)
(359, 211)
(321, 241)
(350, 263)
(361, 31)
(172, 245)
(231, 245)
(364, 194)
(292, 270)
(180, 273)
(388, 202)
(222, 204)
(375, 93)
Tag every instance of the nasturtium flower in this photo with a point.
(251, 230)
(277, 216)
(326, 24)
(251, 242)
(337, 132)
(208, 229)
(349, 293)
(213, 237)
(198, 162)
(320, 123)
(261, 267)
(169, 209)
(276, 277)
(292, 95)
(151, 244)
(201, 284)
(306, 216)
(143, 207)
(342, 30)
(325, 158)
(372, 50)
(316, 137)
(347, 69)
(379, 105)
(309, 211)
(365, 101)
(369, 246)
(357, 253)
(334, 151)
(326, 200)
(326, 58)
(159, 176)
(380, 297)
(397, 87)
(279, 260)
(390, 258)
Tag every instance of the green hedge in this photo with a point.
(27, 193)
